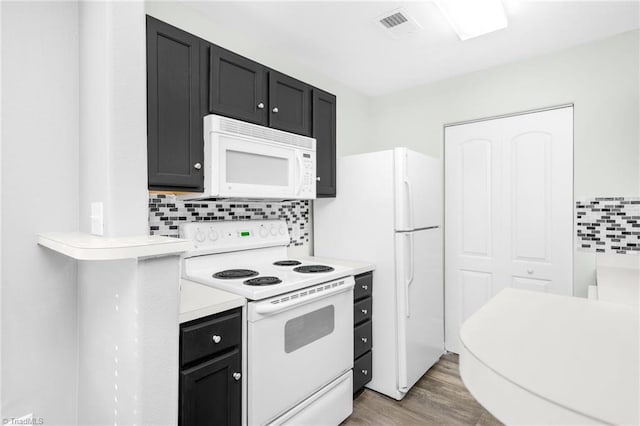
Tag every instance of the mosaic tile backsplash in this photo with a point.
(609, 225)
(166, 213)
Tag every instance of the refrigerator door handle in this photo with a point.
(407, 311)
(409, 205)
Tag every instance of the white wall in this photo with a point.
(113, 116)
(600, 78)
(39, 193)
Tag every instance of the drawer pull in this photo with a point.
(364, 339)
(364, 312)
(365, 372)
(365, 287)
(216, 338)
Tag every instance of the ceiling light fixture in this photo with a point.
(473, 18)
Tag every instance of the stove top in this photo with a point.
(242, 258)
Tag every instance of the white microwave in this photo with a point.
(244, 160)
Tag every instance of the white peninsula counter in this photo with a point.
(538, 358)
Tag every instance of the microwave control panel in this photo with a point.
(308, 173)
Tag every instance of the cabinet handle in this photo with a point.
(216, 338)
(197, 166)
(365, 312)
(318, 178)
(365, 372)
(365, 287)
(275, 110)
(260, 105)
(364, 339)
(530, 271)
(237, 376)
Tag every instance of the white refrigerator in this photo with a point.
(388, 211)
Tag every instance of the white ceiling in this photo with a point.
(341, 40)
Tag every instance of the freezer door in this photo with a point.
(419, 303)
(418, 190)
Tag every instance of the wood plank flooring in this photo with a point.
(439, 398)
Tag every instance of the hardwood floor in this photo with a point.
(439, 398)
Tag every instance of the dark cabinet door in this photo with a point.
(289, 104)
(174, 121)
(237, 86)
(210, 394)
(324, 131)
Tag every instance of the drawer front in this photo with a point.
(362, 310)
(362, 371)
(363, 287)
(205, 338)
(362, 339)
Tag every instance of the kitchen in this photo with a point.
(87, 70)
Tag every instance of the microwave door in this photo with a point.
(254, 169)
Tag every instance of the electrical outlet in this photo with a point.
(97, 218)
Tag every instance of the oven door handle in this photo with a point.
(269, 308)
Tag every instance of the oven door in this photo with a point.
(297, 344)
(252, 168)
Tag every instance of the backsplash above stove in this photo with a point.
(166, 213)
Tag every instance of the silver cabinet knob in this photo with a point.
(197, 166)
(318, 178)
(365, 372)
(365, 287)
(216, 338)
(275, 110)
(529, 271)
(365, 312)
(364, 339)
(237, 376)
(260, 105)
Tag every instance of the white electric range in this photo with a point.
(299, 340)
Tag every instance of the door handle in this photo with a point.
(411, 274)
(407, 183)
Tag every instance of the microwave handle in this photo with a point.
(299, 173)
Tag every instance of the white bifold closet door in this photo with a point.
(508, 210)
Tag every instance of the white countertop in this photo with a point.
(198, 300)
(577, 353)
(83, 246)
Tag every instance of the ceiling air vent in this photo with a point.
(398, 23)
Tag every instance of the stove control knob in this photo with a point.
(200, 236)
(283, 230)
(274, 230)
(263, 232)
(213, 235)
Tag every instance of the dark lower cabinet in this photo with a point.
(324, 131)
(210, 393)
(362, 331)
(237, 86)
(211, 370)
(289, 104)
(174, 121)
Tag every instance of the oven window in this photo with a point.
(308, 328)
(256, 169)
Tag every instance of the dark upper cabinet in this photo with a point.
(289, 104)
(210, 394)
(237, 86)
(174, 119)
(324, 131)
